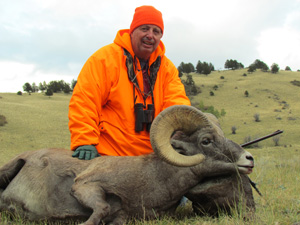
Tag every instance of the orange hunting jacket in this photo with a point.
(101, 110)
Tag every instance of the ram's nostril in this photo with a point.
(249, 157)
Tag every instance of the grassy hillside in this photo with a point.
(36, 121)
(272, 96)
(33, 122)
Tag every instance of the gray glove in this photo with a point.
(86, 152)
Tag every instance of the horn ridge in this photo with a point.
(177, 117)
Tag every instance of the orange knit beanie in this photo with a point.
(146, 15)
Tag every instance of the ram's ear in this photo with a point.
(184, 148)
(178, 146)
(178, 140)
(179, 135)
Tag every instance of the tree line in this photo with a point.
(201, 68)
(50, 88)
(258, 64)
(207, 67)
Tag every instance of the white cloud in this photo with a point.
(281, 46)
(56, 37)
(17, 74)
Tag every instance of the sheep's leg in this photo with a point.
(92, 196)
(120, 217)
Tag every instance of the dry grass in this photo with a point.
(272, 96)
(33, 122)
(37, 121)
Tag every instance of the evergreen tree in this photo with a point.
(257, 64)
(251, 68)
(27, 87)
(55, 86)
(43, 86)
(211, 66)
(204, 68)
(274, 68)
(233, 64)
(181, 67)
(67, 88)
(179, 72)
(49, 92)
(34, 87)
(73, 84)
(189, 68)
(199, 67)
(287, 68)
(186, 67)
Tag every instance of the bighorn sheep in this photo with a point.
(50, 184)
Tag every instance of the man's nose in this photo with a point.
(150, 34)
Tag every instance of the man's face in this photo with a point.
(145, 39)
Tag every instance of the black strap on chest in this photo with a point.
(131, 68)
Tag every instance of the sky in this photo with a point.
(47, 40)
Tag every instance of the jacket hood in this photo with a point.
(123, 39)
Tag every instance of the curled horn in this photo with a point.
(179, 117)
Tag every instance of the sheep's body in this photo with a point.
(42, 188)
(50, 184)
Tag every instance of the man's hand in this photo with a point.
(86, 152)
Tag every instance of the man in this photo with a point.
(121, 88)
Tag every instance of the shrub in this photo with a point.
(190, 87)
(233, 129)
(49, 92)
(19, 93)
(276, 140)
(211, 93)
(248, 139)
(256, 117)
(2, 120)
(223, 113)
(222, 77)
(211, 109)
(296, 83)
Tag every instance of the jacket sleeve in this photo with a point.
(174, 92)
(89, 95)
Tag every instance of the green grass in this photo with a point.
(35, 121)
(272, 96)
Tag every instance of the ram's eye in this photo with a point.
(206, 141)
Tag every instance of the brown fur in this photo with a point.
(50, 184)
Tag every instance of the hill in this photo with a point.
(36, 121)
(272, 96)
(33, 122)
